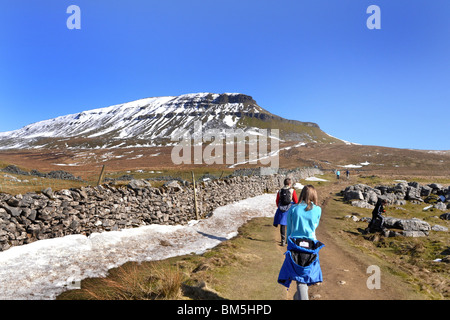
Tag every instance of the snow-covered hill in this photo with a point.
(152, 121)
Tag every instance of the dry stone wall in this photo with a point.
(36, 216)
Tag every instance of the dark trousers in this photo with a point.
(283, 234)
(377, 223)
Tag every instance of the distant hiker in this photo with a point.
(348, 174)
(377, 222)
(301, 262)
(338, 173)
(285, 198)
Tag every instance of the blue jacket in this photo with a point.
(310, 273)
(280, 217)
(302, 223)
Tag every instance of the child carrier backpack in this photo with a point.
(301, 262)
(305, 257)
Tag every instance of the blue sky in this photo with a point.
(305, 60)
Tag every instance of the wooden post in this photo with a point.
(195, 196)
(102, 173)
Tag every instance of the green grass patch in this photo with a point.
(22, 184)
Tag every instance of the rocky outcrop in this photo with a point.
(49, 214)
(436, 195)
(364, 196)
(410, 227)
(57, 174)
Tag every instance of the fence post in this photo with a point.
(195, 196)
(100, 178)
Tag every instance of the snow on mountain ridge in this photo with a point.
(155, 121)
(149, 118)
(156, 105)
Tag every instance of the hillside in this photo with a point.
(152, 122)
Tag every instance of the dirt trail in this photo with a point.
(345, 270)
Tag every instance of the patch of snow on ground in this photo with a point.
(351, 166)
(346, 142)
(45, 268)
(298, 185)
(315, 179)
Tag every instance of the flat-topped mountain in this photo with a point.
(152, 121)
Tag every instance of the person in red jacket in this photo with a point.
(286, 196)
(294, 194)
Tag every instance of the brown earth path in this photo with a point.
(345, 269)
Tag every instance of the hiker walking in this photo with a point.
(377, 222)
(348, 174)
(286, 196)
(338, 173)
(302, 260)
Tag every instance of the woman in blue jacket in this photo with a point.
(302, 222)
(303, 219)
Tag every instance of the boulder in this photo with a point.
(437, 227)
(401, 187)
(441, 206)
(413, 224)
(414, 185)
(435, 186)
(382, 189)
(425, 191)
(371, 197)
(139, 184)
(411, 227)
(362, 204)
(390, 222)
(413, 194)
(174, 185)
(414, 233)
(389, 197)
(353, 217)
(353, 195)
(445, 216)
